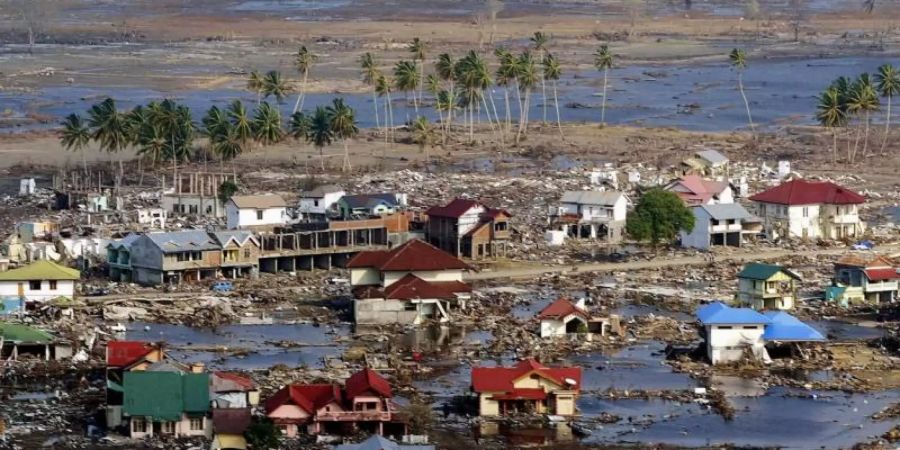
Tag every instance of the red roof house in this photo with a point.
(528, 386)
(123, 354)
(561, 308)
(694, 190)
(413, 256)
(469, 229)
(803, 192)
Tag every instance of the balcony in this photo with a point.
(354, 416)
(844, 219)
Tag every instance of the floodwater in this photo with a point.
(693, 97)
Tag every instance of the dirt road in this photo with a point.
(754, 255)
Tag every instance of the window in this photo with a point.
(749, 327)
(409, 306)
(196, 256)
(138, 426)
(34, 285)
(259, 214)
(805, 211)
(52, 285)
(724, 327)
(500, 226)
(246, 253)
(196, 424)
(713, 222)
(315, 203)
(168, 427)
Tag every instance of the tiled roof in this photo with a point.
(258, 201)
(367, 380)
(414, 255)
(699, 190)
(882, 274)
(126, 353)
(863, 260)
(561, 308)
(500, 380)
(802, 192)
(718, 313)
(227, 381)
(454, 209)
(309, 397)
(412, 287)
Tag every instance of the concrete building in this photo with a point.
(767, 287)
(730, 334)
(716, 225)
(591, 215)
(318, 203)
(154, 218)
(363, 206)
(240, 253)
(810, 210)
(196, 193)
(172, 257)
(408, 284)
(705, 163)
(695, 190)
(167, 403)
(468, 229)
(118, 258)
(255, 212)
(38, 282)
(526, 388)
(869, 279)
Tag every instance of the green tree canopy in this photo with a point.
(658, 217)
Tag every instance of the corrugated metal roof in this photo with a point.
(718, 313)
(40, 270)
(712, 156)
(726, 211)
(184, 241)
(258, 201)
(785, 327)
(18, 333)
(164, 396)
(605, 198)
(760, 271)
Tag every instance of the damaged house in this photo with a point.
(38, 282)
(468, 229)
(18, 340)
(240, 253)
(767, 287)
(362, 206)
(121, 357)
(705, 163)
(173, 257)
(526, 388)
(364, 403)
(167, 402)
(562, 318)
(315, 205)
(409, 284)
(865, 279)
(810, 210)
(716, 225)
(591, 215)
(196, 194)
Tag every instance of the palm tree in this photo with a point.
(215, 123)
(146, 134)
(552, 72)
(445, 71)
(300, 125)
(267, 125)
(417, 47)
(304, 61)
(342, 119)
(603, 60)
(274, 86)
(888, 80)
(406, 78)
(240, 120)
(738, 59)
(108, 128)
(383, 89)
(423, 135)
(76, 136)
(539, 42)
(863, 99)
(320, 133)
(370, 75)
(831, 114)
(175, 123)
(526, 75)
(255, 84)
(505, 74)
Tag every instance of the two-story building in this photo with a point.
(255, 212)
(695, 191)
(38, 282)
(318, 203)
(810, 210)
(364, 403)
(169, 403)
(118, 258)
(468, 229)
(526, 388)
(240, 253)
(172, 257)
(866, 278)
(591, 215)
(122, 357)
(767, 287)
(716, 225)
(409, 284)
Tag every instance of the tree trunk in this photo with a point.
(543, 92)
(84, 160)
(375, 104)
(322, 158)
(603, 105)
(746, 103)
(508, 112)
(345, 167)
(301, 97)
(30, 39)
(391, 116)
(497, 119)
(834, 145)
(556, 104)
(866, 141)
(887, 124)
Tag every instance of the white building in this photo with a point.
(319, 201)
(716, 225)
(810, 210)
(732, 332)
(255, 211)
(591, 214)
(153, 217)
(39, 282)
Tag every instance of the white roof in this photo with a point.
(604, 198)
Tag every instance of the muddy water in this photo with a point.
(697, 97)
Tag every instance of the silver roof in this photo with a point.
(712, 156)
(726, 211)
(605, 198)
(183, 241)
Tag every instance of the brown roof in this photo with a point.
(231, 420)
(414, 255)
(412, 287)
(803, 192)
(858, 260)
(259, 201)
(561, 308)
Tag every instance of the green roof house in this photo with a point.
(38, 282)
(767, 287)
(17, 340)
(168, 403)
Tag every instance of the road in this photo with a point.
(741, 256)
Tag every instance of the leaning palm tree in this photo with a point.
(417, 47)
(320, 133)
(888, 80)
(76, 136)
(738, 59)
(342, 119)
(406, 79)
(831, 114)
(274, 86)
(603, 60)
(552, 72)
(526, 74)
(505, 74)
(255, 84)
(423, 135)
(539, 43)
(370, 74)
(304, 61)
(863, 100)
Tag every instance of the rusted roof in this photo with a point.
(803, 192)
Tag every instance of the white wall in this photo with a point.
(698, 237)
(598, 212)
(727, 342)
(64, 288)
(207, 206)
(319, 205)
(468, 221)
(248, 217)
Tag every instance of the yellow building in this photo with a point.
(528, 387)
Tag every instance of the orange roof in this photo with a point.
(414, 255)
(867, 261)
(561, 308)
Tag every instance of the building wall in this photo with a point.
(565, 403)
(553, 327)
(468, 221)
(145, 254)
(536, 382)
(727, 342)
(487, 407)
(384, 311)
(209, 259)
(243, 258)
(365, 276)
(193, 204)
(64, 288)
(147, 276)
(311, 205)
(247, 217)
(289, 412)
(698, 237)
(754, 293)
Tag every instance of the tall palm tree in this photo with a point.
(223, 139)
(370, 74)
(267, 125)
(863, 100)
(888, 80)
(241, 121)
(831, 114)
(215, 123)
(423, 135)
(304, 61)
(320, 133)
(417, 47)
(255, 84)
(738, 60)
(108, 128)
(505, 74)
(146, 135)
(526, 75)
(342, 119)
(274, 86)
(539, 43)
(406, 79)
(552, 72)
(383, 88)
(445, 71)
(300, 125)
(174, 123)
(76, 136)
(603, 60)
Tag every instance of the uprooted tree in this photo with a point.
(658, 217)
